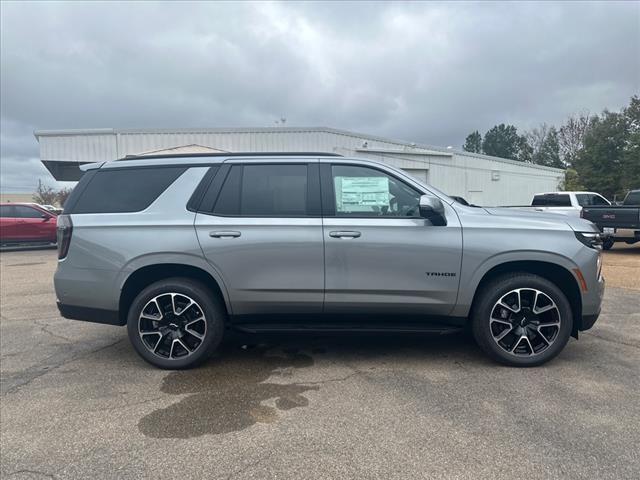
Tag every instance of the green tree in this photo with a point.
(544, 146)
(571, 181)
(600, 162)
(609, 161)
(502, 141)
(525, 150)
(631, 154)
(473, 142)
(549, 152)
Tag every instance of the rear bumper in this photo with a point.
(86, 314)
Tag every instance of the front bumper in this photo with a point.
(589, 319)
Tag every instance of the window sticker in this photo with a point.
(361, 194)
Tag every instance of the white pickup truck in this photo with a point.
(564, 203)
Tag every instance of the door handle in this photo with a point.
(225, 234)
(345, 234)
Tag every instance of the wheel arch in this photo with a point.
(140, 278)
(557, 274)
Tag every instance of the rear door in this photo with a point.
(8, 223)
(381, 257)
(260, 227)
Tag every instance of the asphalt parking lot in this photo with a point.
(77, 402)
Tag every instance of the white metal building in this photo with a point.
(480, 179)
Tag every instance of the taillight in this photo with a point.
(63, 234)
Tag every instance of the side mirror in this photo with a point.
(45, 216)
(432, 209)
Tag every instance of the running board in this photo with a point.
(345, 328)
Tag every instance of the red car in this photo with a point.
(21, 223)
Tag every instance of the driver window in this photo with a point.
(366, 192)
(27, 212)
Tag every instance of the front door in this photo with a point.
(263, 234)
(380, 255)
(32, 224)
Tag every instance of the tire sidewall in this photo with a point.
(501, 286)
(214, 316)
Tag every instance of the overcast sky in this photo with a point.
(423, 72)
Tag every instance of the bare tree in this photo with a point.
(63, 194)
(571, 136)
(44, 194)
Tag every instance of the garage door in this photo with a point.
(418, 173)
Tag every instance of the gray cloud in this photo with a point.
(425, 72)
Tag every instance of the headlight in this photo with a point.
(590, 239)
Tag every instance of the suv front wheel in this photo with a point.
(176, 323)
(522, 320)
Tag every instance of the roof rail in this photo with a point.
(234, 154)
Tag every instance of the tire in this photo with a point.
(608, 244)
(547, 325)
(181, 318)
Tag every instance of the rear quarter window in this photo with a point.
(123, 190)
(539, 201)
(6, 211)
(559, 200)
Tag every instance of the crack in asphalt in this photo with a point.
(618, 342)
(26, 377)
(32, 472)
(44, 328)
(329, 380)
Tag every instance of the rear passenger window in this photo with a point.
(560, 201)
(125, 190)
(264, 191)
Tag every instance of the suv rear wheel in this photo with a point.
(176, 323)
(522, 320)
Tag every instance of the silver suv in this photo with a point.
(182, 248)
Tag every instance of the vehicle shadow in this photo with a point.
(624, 249)
(24, 247)
(251, 377)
